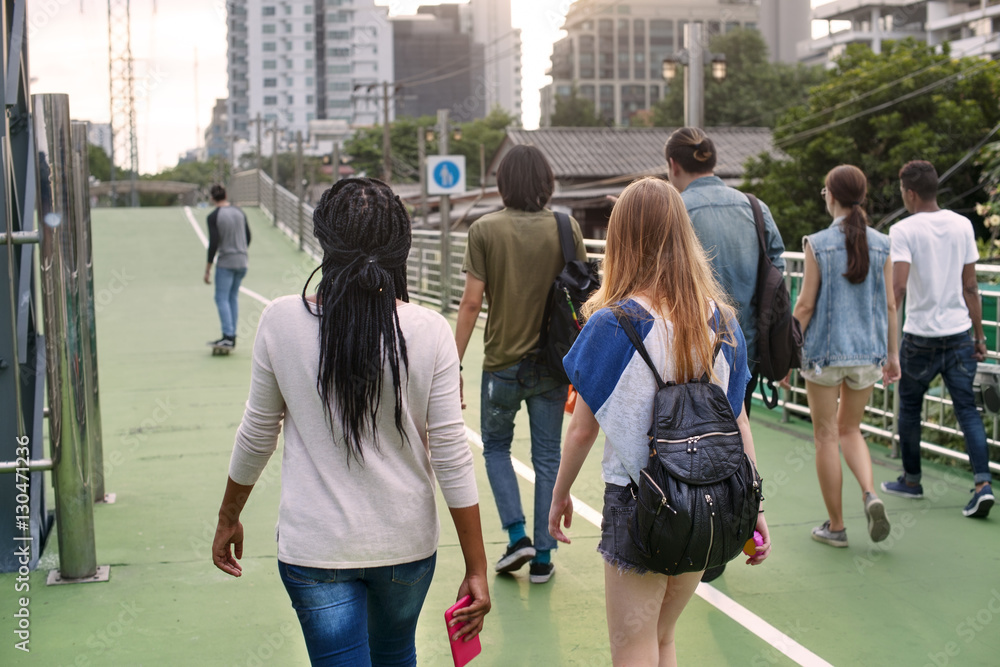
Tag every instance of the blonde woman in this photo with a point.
(656, 273)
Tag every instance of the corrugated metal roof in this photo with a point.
(601, 152)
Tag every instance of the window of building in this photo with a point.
(290, 99)
(563, 91)
(270, 46)
(310, 99)
(270, 117)
(605, 27)
(309, 28)
(606, 105)
(338, 69)
(288, 10)
(338, 104)
(338, 52)
(308, 10)
(309, 45)
(270, 100)
(587, 92)
(661, 45)
(339, 85)
(268, 29)
(640, 65)
(714, 28)
(309, 63)
(732, 25)
(267, 11)
(338, 34)
(290, 116)
(654, 95)
(270, 64)
(288, 27)
(750, 25)
(310, 116)
(309, 82)
(271, 83)
(633, 99)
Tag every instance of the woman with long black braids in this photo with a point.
(367, 386)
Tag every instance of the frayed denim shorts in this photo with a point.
(616, 544)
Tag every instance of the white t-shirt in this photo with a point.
(337, 513)
(937, 246)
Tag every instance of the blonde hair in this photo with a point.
(652, 251)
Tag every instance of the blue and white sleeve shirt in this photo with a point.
(618, 386)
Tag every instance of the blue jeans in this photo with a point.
(227, 288)
(357, 618)
(501, 398)
(922, 359)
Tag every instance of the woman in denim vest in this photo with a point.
(848, 317)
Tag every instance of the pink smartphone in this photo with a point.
(461, 651)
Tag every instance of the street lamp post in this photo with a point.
(693, 57)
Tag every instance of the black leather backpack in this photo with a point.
(697, 498)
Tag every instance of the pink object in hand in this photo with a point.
(750, 548)
(461, 651)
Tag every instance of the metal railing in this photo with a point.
(424, 281)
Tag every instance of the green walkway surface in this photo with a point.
(930, 594)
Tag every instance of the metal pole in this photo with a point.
(336, 161)
(274, 173)
(694, 77)
(260, 159)
(88, 321)
(445, 211)
(482, 170)
(422, 167)
(56, 209)
(386, 140)
(298, 187)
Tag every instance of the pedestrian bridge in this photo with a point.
(930, 594)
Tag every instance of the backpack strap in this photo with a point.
(633, 336)
(565, 237)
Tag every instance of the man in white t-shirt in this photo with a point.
(934, 258)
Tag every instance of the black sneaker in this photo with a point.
(981, 503)
(225, 341)
(539, 573)
(516, 556)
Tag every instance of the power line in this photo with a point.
(805, 134)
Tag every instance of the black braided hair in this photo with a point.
(364, 231)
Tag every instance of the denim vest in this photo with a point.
(850, 325)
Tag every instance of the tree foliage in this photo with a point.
(878, 112)
(574, 111)
(365, 147)
(755, 91)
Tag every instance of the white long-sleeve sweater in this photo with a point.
(336, 513)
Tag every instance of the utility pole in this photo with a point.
(694, 77)
(445, 213)
(422, 168)
(336, 161)
(298, 187)
(386, 141)
(482, 170)
(274, 173)
(260, 158)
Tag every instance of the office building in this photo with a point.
(297, 61)
(972, 27)
(613, 53)
(462, 57)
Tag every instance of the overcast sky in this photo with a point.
(68, 42)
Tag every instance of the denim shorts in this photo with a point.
(857, 377)
(616, 544)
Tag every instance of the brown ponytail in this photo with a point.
(847, 185)
(691, 148)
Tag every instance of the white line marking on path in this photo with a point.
(204, 241)
(728, 606)
(734, 610)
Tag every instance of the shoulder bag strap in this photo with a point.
(565, 237)
(633, 336)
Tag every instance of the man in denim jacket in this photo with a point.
(723, 220)
(934, 257)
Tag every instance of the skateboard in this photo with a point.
(219, 350)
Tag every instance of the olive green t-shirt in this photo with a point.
(517, 255)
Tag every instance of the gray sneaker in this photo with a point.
(878, 522)
(835, 538)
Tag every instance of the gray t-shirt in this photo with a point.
(229, 235)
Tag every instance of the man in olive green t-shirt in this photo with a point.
(512, 257)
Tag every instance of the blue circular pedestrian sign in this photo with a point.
(446, 174)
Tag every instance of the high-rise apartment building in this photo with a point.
(296, 61)
(972, 27)
(613, 52)
(463, 57)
